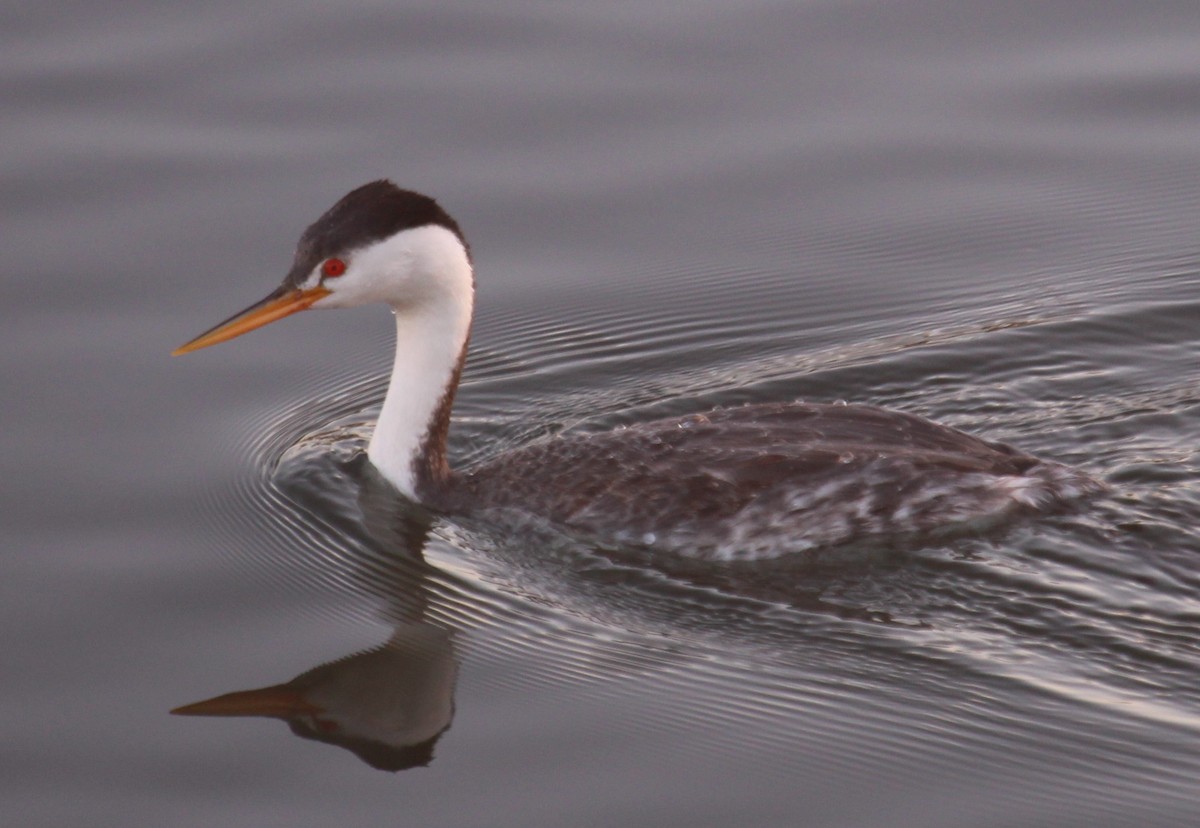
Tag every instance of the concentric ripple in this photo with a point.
(1058, 656)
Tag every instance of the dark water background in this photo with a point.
(982, 212)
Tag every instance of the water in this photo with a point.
(984, 213)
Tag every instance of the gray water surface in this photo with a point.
(980, 212)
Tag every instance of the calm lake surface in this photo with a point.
(982, 212)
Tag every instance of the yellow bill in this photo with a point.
(283, 302)
(279, 701)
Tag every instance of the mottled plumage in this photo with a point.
(766, 480)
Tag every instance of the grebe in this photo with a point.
(738, 483)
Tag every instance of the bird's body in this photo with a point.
(759, 481)
(750, 482)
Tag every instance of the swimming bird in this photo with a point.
(748, 482)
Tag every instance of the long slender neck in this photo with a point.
(409, 443)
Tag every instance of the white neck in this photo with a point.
(433, 323)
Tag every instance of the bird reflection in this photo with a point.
(388, 705)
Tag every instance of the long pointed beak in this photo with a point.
(283, 302)
(279, 702)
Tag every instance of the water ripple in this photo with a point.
(1072, 637)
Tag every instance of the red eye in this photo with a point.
(333, 267)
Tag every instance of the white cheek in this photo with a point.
(356, 287)
(344, 292)
(312, 281)
(409, 270)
